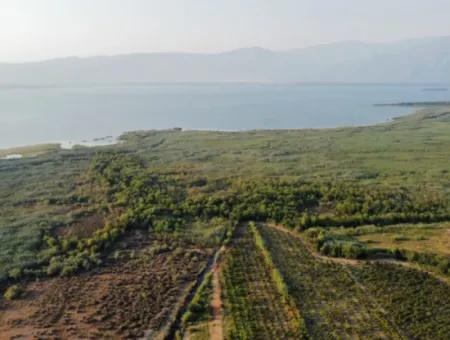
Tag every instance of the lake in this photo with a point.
(77, 113)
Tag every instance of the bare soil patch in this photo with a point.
(123, 299)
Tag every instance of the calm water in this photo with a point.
(29, 116)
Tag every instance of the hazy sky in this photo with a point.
(39, 29)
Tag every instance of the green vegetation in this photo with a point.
(13, 292)
(418, 303)
(37, 196)
(344, 300)
(133, 196)
(255, 308)
(336, 245)
(30, 151)
(279, 281)
(200, 307)
(305, 178)
(409, 152)
(332, 303)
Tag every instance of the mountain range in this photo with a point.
(417, 60)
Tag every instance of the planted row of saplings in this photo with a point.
(300, 324)
(253, 305)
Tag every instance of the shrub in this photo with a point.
(444, 266)
(68, 269)
(55, 266)
(13, 292)
(200, 307)
(15, 273)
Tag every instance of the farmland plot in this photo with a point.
(254, 307)
(419, 303)
(332, 303)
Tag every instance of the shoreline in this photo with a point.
(425, 104)
(32, 150)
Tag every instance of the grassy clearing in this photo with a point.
(254, 307)
(423, 244)
(433, 238)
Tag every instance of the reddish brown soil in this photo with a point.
(121, 300)
(216, 325)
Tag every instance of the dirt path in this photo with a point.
(216, 325)
(171, 329)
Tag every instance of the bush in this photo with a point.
(55, 266)
(354, 250)
(13, 292)
(15, 273)
(444, 266)
(200, 307)
(69, 269)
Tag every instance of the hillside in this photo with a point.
(420, 60)
(263, 234)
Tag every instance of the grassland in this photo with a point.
(433, 238)
(412, 150)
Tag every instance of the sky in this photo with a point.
(45, 29)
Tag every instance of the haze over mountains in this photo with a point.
(418, 60)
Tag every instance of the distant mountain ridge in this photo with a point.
(417, 60)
